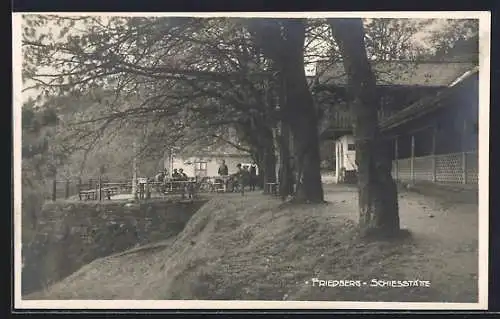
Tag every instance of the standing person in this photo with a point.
(253, 176)
(240, 176)
(223, 172)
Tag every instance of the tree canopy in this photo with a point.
(167, 81)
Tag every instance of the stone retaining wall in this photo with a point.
(69, 235)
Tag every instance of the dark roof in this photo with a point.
(400, 73)
(428, 104)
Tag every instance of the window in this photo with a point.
(351, 147)
(200, 166)
(200, 169)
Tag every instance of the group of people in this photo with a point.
(244, 176)
(179, 175)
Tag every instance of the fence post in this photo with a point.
(96, 189)
(66, 190)
(148, 191)
(79, 188)
(434, 173)
(100, 188)
(412, 159)
(54, 190)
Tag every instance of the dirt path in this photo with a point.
(446, 232)
(428, 218)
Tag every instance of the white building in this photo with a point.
(345, 156)
(206, 161)
(207, 165)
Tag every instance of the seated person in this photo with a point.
(159, 177)
(182, 176)
(175, 175)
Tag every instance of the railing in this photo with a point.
(455, 168)
(64, 188)
(74, 187)
(96, 189)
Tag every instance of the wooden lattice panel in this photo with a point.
(404, 169)
(423, 168)
(449, 168)
(472, 167)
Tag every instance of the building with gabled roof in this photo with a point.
(415, 98)
(204, 160)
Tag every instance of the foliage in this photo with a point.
(458, 40)
(180, 82)
(168, 74)
(39, 157)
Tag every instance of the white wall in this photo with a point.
(343, 157)
(213, 164)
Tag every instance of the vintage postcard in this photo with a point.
(251, 160)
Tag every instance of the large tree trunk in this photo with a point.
(302, 117)
(266, 159)
(378, 205)
(298, 110)
(268, 168)
(300, 114)
(285, 171)
(309, 185)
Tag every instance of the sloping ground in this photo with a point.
(252, 247)
(70, 234)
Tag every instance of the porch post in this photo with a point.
(464, 154)
(412, 159)
(337, 166)
(396, 156)
(433, 153)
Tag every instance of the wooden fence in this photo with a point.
(455, 168)
(73, 187)
(101, 189)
